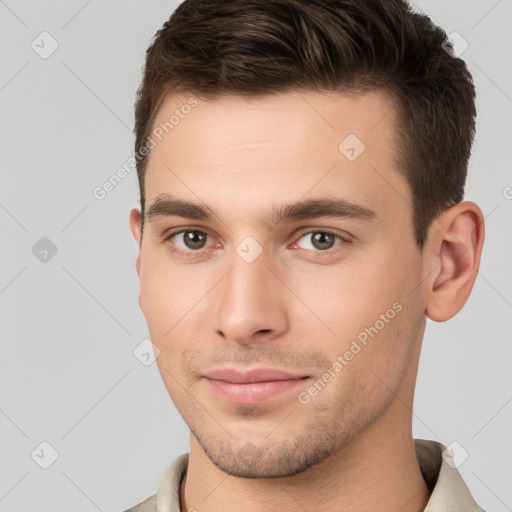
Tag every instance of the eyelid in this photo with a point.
(176, 231)
(346, 237)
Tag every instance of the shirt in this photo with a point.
(449, 493)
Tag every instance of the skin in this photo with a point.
(297, 306)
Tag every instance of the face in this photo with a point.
(278, 273)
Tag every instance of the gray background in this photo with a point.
(70, 324)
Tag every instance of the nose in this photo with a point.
(250, 303)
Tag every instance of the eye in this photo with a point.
(189, 239)
(319, 241)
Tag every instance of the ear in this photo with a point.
(452, 256)
(136, 229)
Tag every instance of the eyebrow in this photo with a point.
(166, 205)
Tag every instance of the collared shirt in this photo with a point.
(449, 493)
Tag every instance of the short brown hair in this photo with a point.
(257, 47)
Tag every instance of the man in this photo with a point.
(302, 168)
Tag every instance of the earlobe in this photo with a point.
(454, 252)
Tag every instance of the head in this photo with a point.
(301, 169)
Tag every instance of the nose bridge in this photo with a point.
(249, 301)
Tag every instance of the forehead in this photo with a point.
(280, 146)
(288, 113)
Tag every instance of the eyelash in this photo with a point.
(196, 253)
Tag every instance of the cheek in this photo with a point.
(366, 310)
(369, 372)
(155, 305)
(172, 308)
(166, 295)
(345, 299)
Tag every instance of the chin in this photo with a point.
(270, 459)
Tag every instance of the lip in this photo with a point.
(252, 386)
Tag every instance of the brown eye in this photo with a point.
(322, 241)
(319, 241)
(194, 239)
(188, 240)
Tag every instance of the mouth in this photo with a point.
(253, 386)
